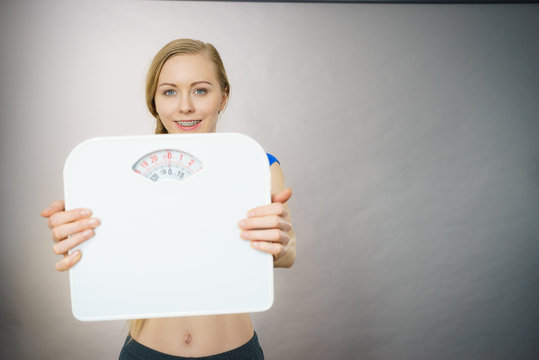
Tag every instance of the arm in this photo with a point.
(280, 194)
(269, 227)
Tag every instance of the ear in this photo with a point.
(224, 101)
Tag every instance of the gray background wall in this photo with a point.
(409, 134)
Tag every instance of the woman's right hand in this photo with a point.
(69, 229)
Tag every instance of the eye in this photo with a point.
(200, 91)
(169, 92)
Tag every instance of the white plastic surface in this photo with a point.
(168, 248)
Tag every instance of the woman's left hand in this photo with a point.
(268, 227)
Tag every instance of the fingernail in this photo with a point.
(244, 233)
(75, 254)
(93, 222)
(242, 223)
(251, 213)
(87, 233)
(85, 212)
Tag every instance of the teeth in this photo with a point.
(188, 123)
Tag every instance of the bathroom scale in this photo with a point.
(169, 242)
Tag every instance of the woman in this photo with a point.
(186, 89)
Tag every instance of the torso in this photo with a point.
(196, 336)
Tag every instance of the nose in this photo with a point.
(186, 104)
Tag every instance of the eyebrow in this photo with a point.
(195, 83)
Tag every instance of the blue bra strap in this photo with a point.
(272, 159)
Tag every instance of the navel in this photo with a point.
(188, 339)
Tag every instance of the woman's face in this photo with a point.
(188, 96)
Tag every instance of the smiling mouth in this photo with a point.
(188, 123)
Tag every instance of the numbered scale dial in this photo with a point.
(167, 164)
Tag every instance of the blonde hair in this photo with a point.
(180, 47)
(134, 327)
(173, 48)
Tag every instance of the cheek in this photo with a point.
(163, 109)
(210, 107)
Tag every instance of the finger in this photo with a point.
(272, 235)
(68, 261)
(63, 231)
(275, 208)
(265, 222)
(275, 249)
(282, 196)
(53, 208)
(64, 246)
(64, 217)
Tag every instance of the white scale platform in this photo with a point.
(169, 242)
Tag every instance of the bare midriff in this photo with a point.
(196, 336)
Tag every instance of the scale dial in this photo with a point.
(167, 164)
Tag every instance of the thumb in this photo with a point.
(282, 197)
